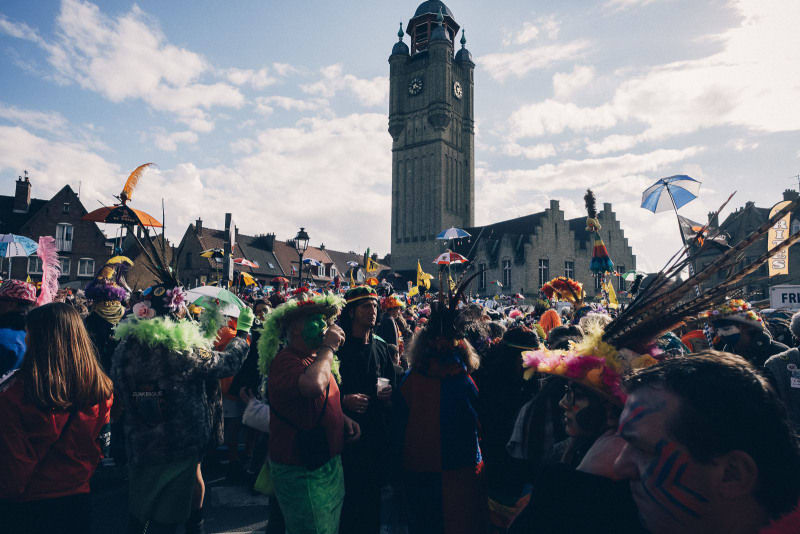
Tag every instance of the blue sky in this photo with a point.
(277, 111)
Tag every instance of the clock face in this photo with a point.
(415, 86)
(457, 91)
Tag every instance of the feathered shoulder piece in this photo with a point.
(171, 334)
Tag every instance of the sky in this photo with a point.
(278, 111)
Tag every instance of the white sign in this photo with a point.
(784, 297)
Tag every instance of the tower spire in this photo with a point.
(400, 32)
(463, 39)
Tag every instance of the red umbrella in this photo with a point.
(449, 257)
(279, 280)
(246, 263)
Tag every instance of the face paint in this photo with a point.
(666, 482)
(313, 330)
(663, 483)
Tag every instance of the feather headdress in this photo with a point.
(131, 182)
(601, 262)
(51, 269)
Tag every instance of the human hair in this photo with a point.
(60, 369)
(427, 345)
(726, 405)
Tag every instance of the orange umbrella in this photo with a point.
(120, 214)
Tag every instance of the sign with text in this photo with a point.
(779, 263)
(784, 297)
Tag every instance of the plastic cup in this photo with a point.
(383, 383)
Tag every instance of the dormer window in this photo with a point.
(65, 208)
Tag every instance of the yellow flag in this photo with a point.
(28, 279)
(371, 266)
(413, 291)
(612, 295)
(452, 284)
(423, 278)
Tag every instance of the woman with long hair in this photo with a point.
(52, 410)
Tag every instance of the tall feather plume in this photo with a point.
(51, 269)
(664, 303)
(130, 184)
(591, 204)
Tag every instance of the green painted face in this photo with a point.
(313, 331)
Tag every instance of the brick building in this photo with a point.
(524, 253)
(736, 227)
(82, 246)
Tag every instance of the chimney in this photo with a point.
(790, 194)
(713, 219)
(554, 205)
(22, 196)
(198, 225)
(269, 241)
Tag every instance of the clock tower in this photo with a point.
(431, 122)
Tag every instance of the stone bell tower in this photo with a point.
(431, 121)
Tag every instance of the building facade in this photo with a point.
(82, 246)
(520, 255)
(431, 121)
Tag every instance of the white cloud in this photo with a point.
(128, 57)
(258, 79)
(740, 144)
(503, 65)
(540, 151)
(566, 83)
(267, 104)
(627, 4)
(553, 117)
(168, 142)
(543, 26)
(52, 122)
(20, 30)
(371, 92)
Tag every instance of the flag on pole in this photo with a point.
(423, 278)
(779, 263)
(608, 287)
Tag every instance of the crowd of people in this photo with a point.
(364, 408)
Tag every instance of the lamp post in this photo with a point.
(300, 245)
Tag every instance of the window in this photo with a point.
(482, 276)
(85, 267)
(506, 273)
(569, 269)
(320, 270)
(65, 208)
(598, 282)
(270, 265)
(66, 265)
(34, 265)
(795, 226)
(64, 237)
(544, 271)
(620, 280)
(333, 271)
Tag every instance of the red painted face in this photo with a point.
(672, 490)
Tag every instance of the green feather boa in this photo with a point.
(171, 334)
(273, 332)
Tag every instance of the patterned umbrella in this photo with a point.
(450, 258)
(245, 263)
(12, 246)
(680, 189)
(453, 233)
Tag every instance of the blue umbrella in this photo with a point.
(453, 233)
(309, 261)
(12, 245)
(680, 189)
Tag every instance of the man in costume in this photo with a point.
(365, 358)
(108, 291)
(707, 449)
(17, 298)
(739, 329)
(162, 369)
(783, 370)
(307, 428)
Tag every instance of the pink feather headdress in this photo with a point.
(51, 269)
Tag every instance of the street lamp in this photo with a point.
(300, 245)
